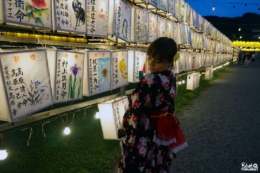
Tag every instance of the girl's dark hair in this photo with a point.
(163, 49)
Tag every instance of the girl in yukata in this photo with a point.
(150, 132)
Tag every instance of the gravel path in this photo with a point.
(222, 125)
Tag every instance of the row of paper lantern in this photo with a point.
(35, 79)
(119, 19)
(188, 61)
(32, 80)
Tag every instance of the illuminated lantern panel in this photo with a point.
(137, 66)
(193, 81)
(209, 73)
(111, 115)
(119, 69)
(97, 72)
(25, 76)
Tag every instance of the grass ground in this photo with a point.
(83, 151)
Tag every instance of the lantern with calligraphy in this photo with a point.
(171, 6)
(179, 64)
(193, 81)
(188, 61)
(119, 69)
(182, 12)
(169, 28)
(25, 84)
(140, 25)
(163, 5)
(66, 69)
(188, 16)
(111, 116)
(195, 61)
(120, 20)
(27, 13)
(161, 26)
(97, 18)
(70, 16)
(152, 27)
(137, 67)
(97, 72)
(183, 32)
(176, 33)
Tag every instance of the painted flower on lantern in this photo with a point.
(36, 11)
(74, 84)
(42, 90)
(74, 69)
(37, 83)
(39, 3)
(36, 91)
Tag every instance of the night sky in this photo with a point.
(224, 8)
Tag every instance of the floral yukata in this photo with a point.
(150, 133)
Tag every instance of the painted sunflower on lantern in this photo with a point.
(36, 10)
(75, 84)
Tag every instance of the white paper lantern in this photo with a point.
(97, 72)
(193, 81)
(26, 13)
(111, 115)
(97, 18)
(137, 65)
(209, 73)
(161, 27)
(27, 84)
(179, 65)
(139, 31)
(119, 69)
(152, 27)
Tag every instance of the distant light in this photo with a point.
(259, 37)
(239, 29)
(179, 82)
(240, 37)
(213, 8)
(3, 154)
(183, 81)
(66, 131)
(97, 115)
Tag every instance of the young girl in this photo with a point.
(150, 133)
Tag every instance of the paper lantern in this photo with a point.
(97, 18)
(179, 64)
(209, 73)
(26, 13)
(111, 116)
(97, 72)
(68, 71)
(161, 27)
(193, 81)
(152, 27)
(137, 65)
(119, 69)
(25, 83)
(140, 25)
(120, 20)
